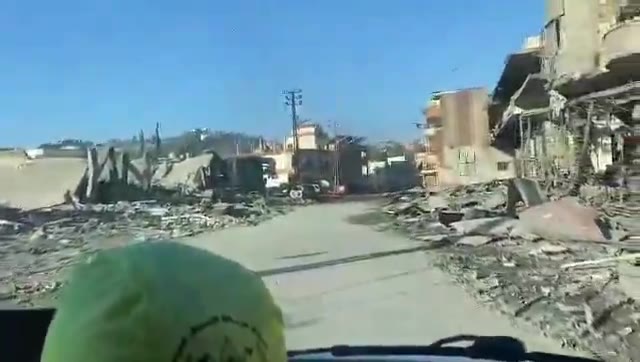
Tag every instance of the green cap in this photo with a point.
(164, 301)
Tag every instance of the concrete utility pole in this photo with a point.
(336, 155)
(293, 98)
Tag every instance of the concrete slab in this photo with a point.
(31, 184)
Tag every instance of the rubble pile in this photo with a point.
(538, 256)
(37, 246)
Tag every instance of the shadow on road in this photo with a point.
(349, 259)
(498, 348)
(305, 255)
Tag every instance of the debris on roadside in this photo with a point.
(57, 209)
(38, 245)
(538, 255)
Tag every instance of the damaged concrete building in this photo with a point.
(458, 143)
(568, 104)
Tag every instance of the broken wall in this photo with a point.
(39, 183)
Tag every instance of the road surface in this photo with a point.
(332, 290)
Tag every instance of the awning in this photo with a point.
(518, 67)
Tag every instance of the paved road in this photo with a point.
(332, 289)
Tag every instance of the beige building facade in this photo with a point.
(459, 148)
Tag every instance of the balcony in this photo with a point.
(628, 9)
(620, 46)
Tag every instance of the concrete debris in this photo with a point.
(476, 240)
(437, 202)
(528, 191)
(494, 226)
(38, 245)
(564, 219)
(552, 249)
(10, 227)
(447, 217)
(601, 261)
(537, 255)
(495, 200)
(107, 175)
(519, 230)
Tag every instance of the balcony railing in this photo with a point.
(620, 45)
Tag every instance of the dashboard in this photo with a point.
(22, 335)
(324, 357)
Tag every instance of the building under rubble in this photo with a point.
(568, 103)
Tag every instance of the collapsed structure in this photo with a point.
(563, 121)
(110, 175)
(569, 102)
(566, 107)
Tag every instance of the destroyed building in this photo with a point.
(569, 102)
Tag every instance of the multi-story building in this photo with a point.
(432, 140)
(458, 140)
(340, 160)
(310, 137)
(577, 97)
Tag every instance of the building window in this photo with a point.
(503, 166)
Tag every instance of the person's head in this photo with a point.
(164, 302)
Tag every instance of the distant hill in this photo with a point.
(193, 142)
(66, 143)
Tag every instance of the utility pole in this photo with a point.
(293, 99)
(336, 155)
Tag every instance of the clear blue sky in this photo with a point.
(105, 69)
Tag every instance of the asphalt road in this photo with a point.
(342, 283)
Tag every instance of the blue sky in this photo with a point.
(105, 69)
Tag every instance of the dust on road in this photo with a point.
(342, 283)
